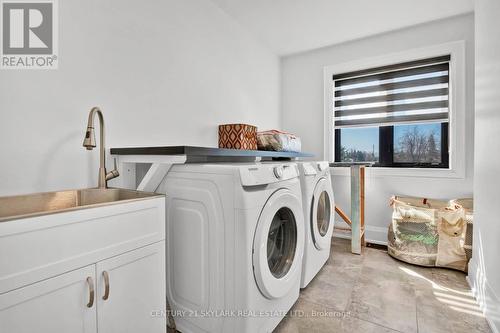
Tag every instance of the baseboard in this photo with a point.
(488, 301)
(373, 234)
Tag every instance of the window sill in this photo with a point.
(403, 172)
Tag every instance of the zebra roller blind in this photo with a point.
(409, 92)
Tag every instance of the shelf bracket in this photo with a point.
(160, 166)
(154, 177)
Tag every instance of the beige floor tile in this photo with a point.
(386, 298)
(344, 258)
(374, 292)
(447, 310)
(380, 260)
(308, 317)
(450, 278)
(341, 243)
(341, 256)
(333, 285)
(331, 288)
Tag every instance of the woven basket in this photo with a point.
(238, 136)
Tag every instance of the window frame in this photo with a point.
(456, 123)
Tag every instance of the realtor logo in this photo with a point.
(29, 34)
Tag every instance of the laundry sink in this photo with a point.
(21, 206)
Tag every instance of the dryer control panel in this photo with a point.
(323, 165)
(262, 174)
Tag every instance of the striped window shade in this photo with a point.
(410, 92)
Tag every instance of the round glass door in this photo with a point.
(281, 242)
(278, 244)
(322, 214)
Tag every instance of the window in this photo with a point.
(358, 144)
(418, 143)
(395, 116)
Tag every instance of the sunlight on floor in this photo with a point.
(457, 300)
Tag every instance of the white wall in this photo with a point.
(304, 25)
(165, 72)
(302, 112)
(484, 268)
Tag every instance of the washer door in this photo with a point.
(278, 244)
(321, 218)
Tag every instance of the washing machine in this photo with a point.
(235, 239)
(319, 209)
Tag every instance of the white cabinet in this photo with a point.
(117, 295)
(58, 304)
(50, 264)
(135, 288)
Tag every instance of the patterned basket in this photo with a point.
(238, 136)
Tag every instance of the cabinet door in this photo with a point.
(136, 291)
(58, 304)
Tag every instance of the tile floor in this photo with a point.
(376, 293)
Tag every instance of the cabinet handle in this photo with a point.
(106, 285)
(90, 282)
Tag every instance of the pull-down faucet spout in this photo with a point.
(89, 142)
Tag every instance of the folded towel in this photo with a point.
(278, 141)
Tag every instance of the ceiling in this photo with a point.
(291, 26)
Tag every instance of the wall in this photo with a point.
(302, 112)
(484, 268)
(164, 73)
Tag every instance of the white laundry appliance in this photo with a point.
(235, 237)
(319, 209)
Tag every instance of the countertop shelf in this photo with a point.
(350, 164)
(206, 152)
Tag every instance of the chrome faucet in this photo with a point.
(90, 143)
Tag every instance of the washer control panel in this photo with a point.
(309, 169)
(278, 171)
(262, 174)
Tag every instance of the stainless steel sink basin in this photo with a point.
(36, 204)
